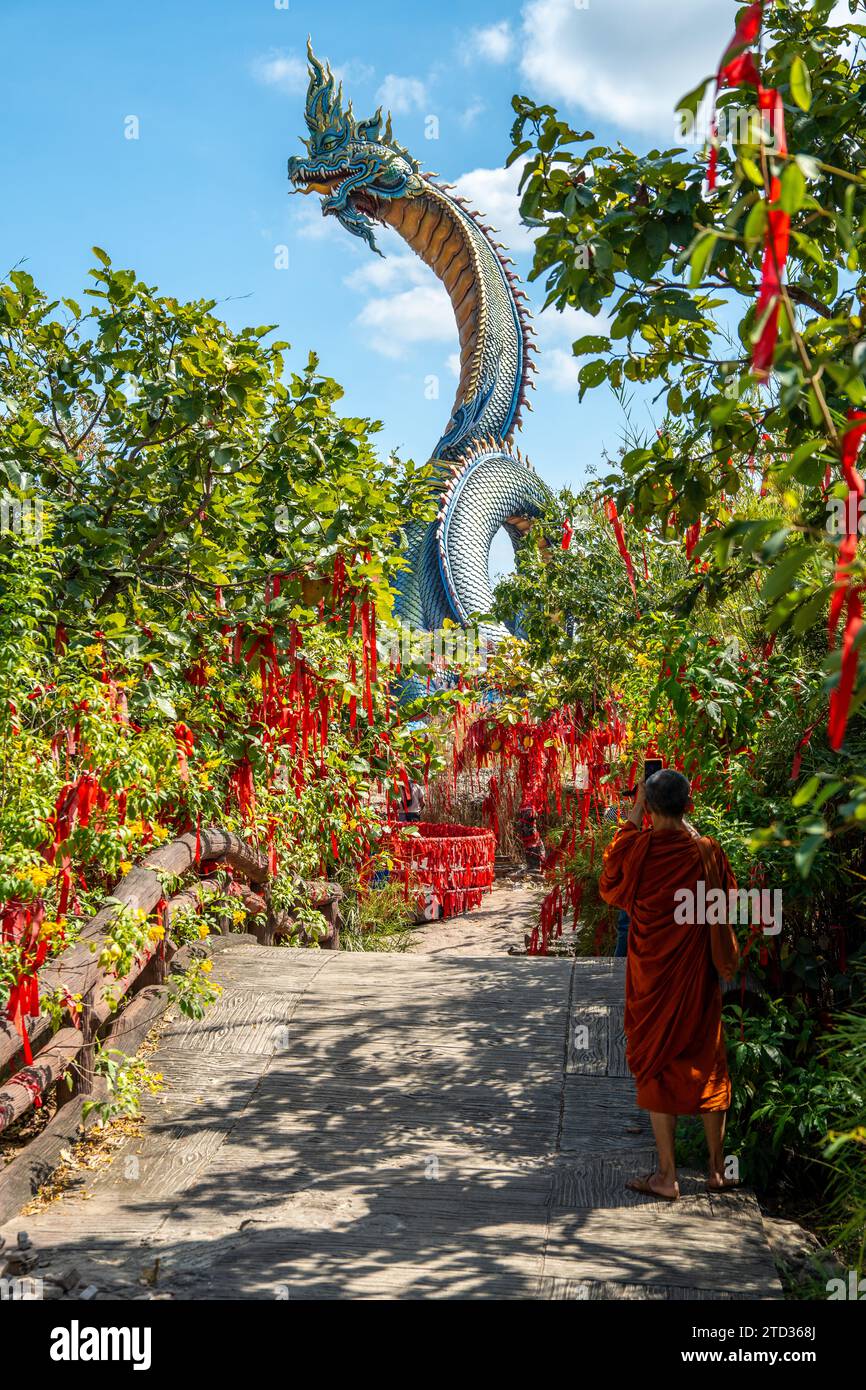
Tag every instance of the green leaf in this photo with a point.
(700, 258)
(592, 342)
(751, 170)
(793, 189)
(804, 794)
(756, 223)
(778, 581)
(101, 255)
(592, 374)
(165, 706)
(801, 83)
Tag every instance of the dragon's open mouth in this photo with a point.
(324, 180)
(364, 200)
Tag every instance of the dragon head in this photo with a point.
(354, 165)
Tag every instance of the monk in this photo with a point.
(673, 1006)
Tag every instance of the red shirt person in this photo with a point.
(673, 1012)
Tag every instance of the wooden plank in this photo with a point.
(21, 1178)
(588, 1040)
(616, 1062)
(676, 1245)
(600, 1116)
(598, 1290)
(240, 1021)
(432, 1130)
(17, 1096)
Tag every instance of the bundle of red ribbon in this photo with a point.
(455, 861)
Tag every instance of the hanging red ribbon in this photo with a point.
(846, 594)
(613, 517)
(775, 245)
(693, 535)
(735, 68)
(739, 68)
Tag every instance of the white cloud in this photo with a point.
(453, 364)
(493, 192)
(627, 61)
(420, 315)
(402, 94)
(494, 42)
(284, 70)
(379, 275)
(353, 73)
(311, 223)
(555, 331)
(472, 112)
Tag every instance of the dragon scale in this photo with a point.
(482, 481)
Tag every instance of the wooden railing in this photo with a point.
(119, 1012)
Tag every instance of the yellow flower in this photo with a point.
(238, 915)
(156, 933)
(40, 874)
(203, 930)
(207, 966)
(160, 833)
(49, 929)
(125, 866)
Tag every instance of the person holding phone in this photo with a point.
(651, 766)
(673, 1007)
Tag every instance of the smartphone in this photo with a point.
(651, 766)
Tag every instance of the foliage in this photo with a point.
(192, 989)
(378, 918)
(127, 1078)
(714, 650)
(197, 546)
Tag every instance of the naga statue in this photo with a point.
(482, 481)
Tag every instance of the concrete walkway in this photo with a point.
(380, 1126)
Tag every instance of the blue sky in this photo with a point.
(198, 203)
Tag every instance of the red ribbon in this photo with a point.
(775, 245)
(846, 594)
(613, 517)
(735, 71)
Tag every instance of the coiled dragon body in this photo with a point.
(482, 481)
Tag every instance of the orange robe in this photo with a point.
(673, 1004)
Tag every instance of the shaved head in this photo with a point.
(668, 792)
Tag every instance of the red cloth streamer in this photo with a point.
(738, 68)
(21, 925)
(455, 861)
(567, 534)
(185, 740)
(734, 70)
(241, 780)
(613, 517)
(775, 245)
(801, 747)
(847, 595)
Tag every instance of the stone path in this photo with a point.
(500, 923)
(378, 1126)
